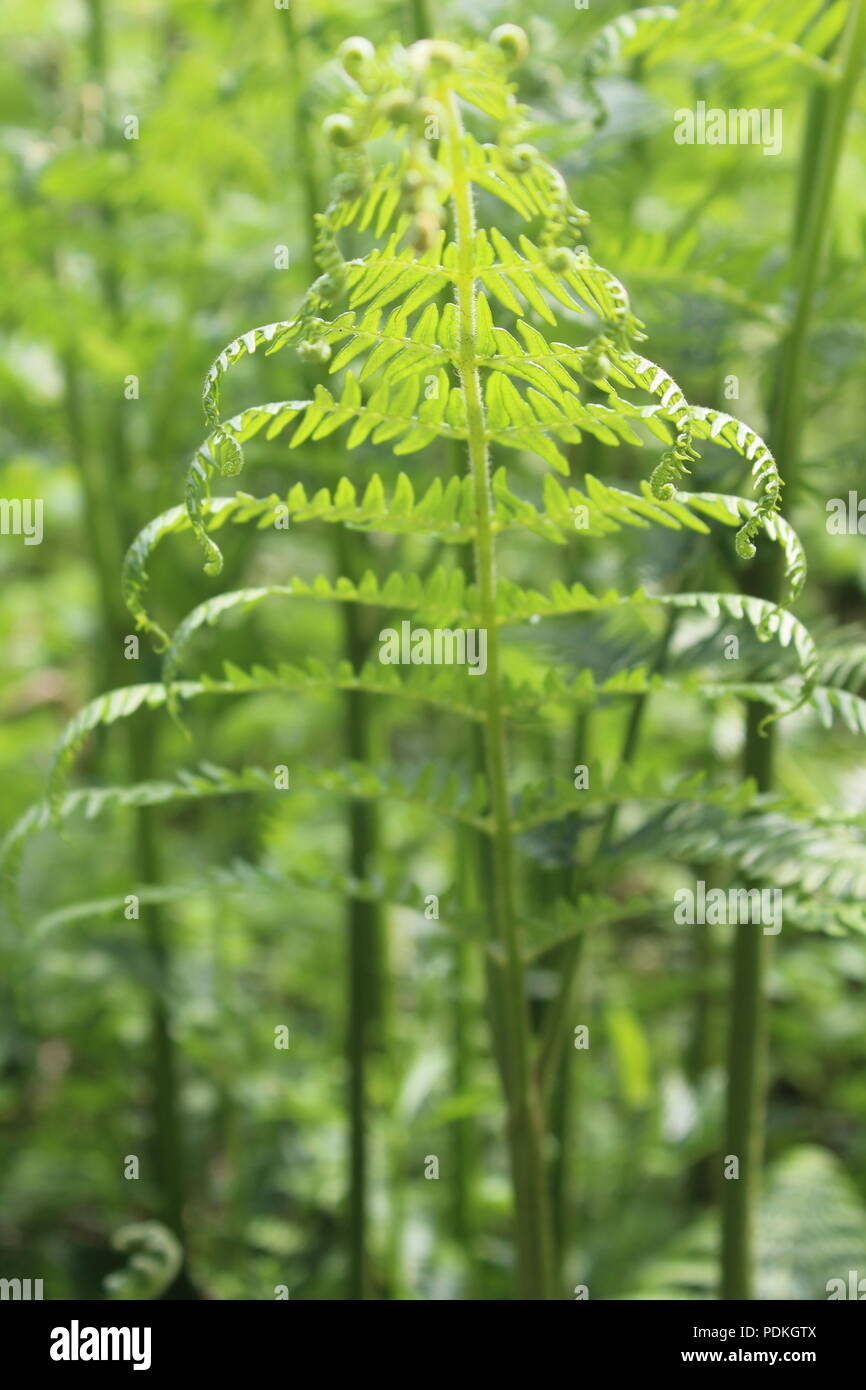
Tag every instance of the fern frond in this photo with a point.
(735, 434)
(741, 34)
(812, 1229)
(701, 422)
(517, 277)
(445, 512)
(609, 508)
(516, 605)
(208, 781)
(392, 273)
(397, 415)
(443, 597)
(447, 689)
(242, 878)
(445, 601)
(818, 858)
(490, 171)
(816, 853)
(843, 660)
(567, 921)
(367, 199)
(828, 702)
(463, 801)
(539, 803)
(654, 264)
(448, 513)
(525, 422)
(407, 349)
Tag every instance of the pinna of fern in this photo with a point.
(416, 325)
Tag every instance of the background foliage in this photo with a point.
(155, 1038)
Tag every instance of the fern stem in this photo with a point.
(471, 853)
(365, 930)
(702, 1184)
(111, 519)
(168, 1126)
(552, 1050)
(421, 19)
(525, 1125)
(461, 1068)
(634, 727)
(360, 940)
(811, 225)
(822, 149)
(364, 983)
(744, 1125)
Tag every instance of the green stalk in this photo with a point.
(100, 531)
(552, 1049)
(364, 960)
(102, 477)
(823, 142)
(557, 1079)
(359, 938)
(700, 1055)
(463, 1128)
(554, 1071)
(462, 1011)
(365, 930)
(744, 1120)
(561, 1118)
(421, 19)
(822, 148)
(167, 1116)
(470, 859)
(525, 1124)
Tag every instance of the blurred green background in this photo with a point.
(141, 258)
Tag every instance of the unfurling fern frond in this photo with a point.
(153, 1259)
(469, 320)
